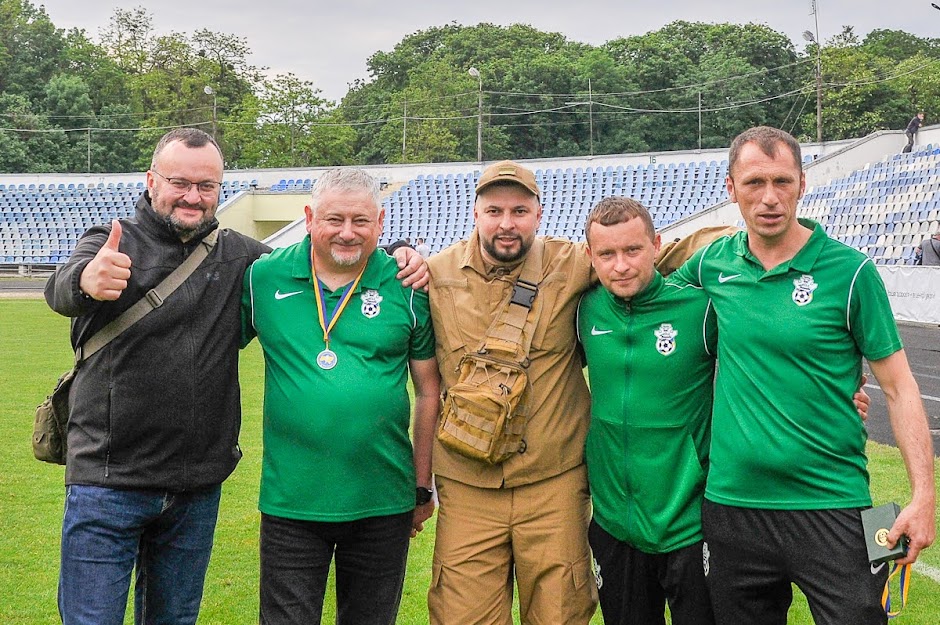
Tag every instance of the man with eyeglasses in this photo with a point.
(155, 415)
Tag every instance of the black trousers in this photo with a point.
(634, 586)
(910, 143)
(753, 555)
(370, 569)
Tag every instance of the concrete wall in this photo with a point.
(259, 214)
(913, 291)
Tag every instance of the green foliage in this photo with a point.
(856, 99)
(31, 48)
(899, 45)
(287, 125)
(434, 118)
(101, 105)
(736, 70)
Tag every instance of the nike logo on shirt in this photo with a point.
(279, 295)
(722, 278)
(596, 332)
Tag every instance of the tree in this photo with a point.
(107, 83)
(738, 69)
(33, 146)
(289, 125)
(128, 38)
(899, 45)
(113, 148)
(527, 78)
(31, 49)
(433, 119)
(69, 106)
(729, 84)
(866, 91)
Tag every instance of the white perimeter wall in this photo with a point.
(914, 292)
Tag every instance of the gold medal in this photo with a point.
(326, 359)
(881, 537)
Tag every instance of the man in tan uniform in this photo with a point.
(528, 516)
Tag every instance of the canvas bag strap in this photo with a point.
(151, 301)
(514, 327)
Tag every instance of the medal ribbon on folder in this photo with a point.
(905, 585)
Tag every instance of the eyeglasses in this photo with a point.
(206, 187)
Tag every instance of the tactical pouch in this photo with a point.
(484, 416)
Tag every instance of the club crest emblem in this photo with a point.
(803, 293)
(370, 303)
(665, 339)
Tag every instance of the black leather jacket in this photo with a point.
(159, 406)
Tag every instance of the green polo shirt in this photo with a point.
(651, 364)
(786, 432)
(336, 445)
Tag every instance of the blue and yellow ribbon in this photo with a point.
(326, 324)
(905, 584)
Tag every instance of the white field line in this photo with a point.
(925, 569)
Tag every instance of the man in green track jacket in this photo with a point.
(650, 348)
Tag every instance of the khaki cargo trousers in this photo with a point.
(535, 533)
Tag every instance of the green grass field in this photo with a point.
(34, 350)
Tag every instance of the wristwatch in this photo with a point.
(423, 495)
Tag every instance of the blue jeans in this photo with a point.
(371, 554)
(107, 532)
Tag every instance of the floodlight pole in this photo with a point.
(476, 74)
(811, 38)
(210, 91)
(591, 116)
(818, 76)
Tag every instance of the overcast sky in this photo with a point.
(329, 41)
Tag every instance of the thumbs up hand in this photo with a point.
(105, 277)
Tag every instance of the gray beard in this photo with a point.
(185, 231)
(346, 261)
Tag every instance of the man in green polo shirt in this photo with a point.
(650, 348)
(797, 311)
(339, 473)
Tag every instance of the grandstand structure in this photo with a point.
(885, 209)
(40, 224)
(864, 193)
(438, 208)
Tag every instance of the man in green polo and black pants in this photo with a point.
(797, 311)
(339, 473)
(650, 348)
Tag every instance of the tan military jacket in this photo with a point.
(466, 294)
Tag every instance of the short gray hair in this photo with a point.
(345, 179)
